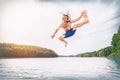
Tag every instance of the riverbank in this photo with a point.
(8, 50)
(112, 51)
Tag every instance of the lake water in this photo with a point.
(59, 69)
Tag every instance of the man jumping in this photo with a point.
(66, 25)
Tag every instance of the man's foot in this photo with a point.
(66, 44)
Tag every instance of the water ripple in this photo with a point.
(59, 69)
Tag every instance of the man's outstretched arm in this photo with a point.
(55, 32)
(77, 19)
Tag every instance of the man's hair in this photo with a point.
(68, 17)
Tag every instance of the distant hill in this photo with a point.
(112, 51)
(8, 50)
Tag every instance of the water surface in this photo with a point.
(59, 69)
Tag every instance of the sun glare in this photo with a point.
(34, 22)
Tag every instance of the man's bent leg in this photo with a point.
(79, 25)
(61, 38)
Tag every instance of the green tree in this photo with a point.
(13, 50)
(111, 51)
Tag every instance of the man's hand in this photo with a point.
(52, 36)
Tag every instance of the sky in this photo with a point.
(32, 22)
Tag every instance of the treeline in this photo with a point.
(14, 50)
(100, 53)
(112, 51)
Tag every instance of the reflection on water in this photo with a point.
(59, 69)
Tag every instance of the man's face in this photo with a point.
(84, 12)
(65, 18)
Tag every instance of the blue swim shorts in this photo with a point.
(69, 33)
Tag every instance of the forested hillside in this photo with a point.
(112, 51)
(14, 50)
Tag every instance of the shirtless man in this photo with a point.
(66, 25)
